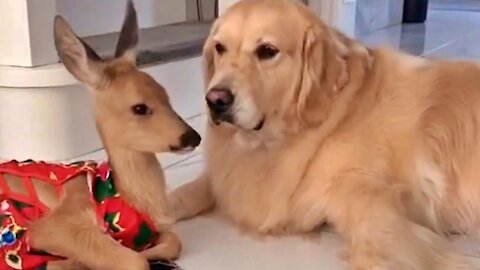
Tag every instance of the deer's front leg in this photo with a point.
(79, 238)
(72, 231)
(191, 199)
(168, 247)
(65, 265)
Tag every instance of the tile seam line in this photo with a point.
(443, 45)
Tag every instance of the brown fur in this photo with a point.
(383, 145)
(71, 228)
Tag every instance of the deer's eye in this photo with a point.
(141, 109)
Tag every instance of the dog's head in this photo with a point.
(272, 61)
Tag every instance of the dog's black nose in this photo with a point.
(190, 139)
(219, 100)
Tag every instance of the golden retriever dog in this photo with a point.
(310, 127)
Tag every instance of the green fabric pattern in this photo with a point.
(43, 267)
(110, 219)
(19, 205)
(143, 237)
(104, 189)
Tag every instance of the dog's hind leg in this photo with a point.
(191, 199)
(365, 211)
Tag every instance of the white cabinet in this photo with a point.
(26, 33)
(337, 13)
(27, 25)
(224, 5)
(377, 14)
(94, 17)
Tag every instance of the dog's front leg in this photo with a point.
(367, 212)
(191, 199)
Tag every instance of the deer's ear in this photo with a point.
(128, 39)
(79, 59)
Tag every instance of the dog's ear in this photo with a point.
(208, 55)
(323, 75)
(128, 39)
(79, 59)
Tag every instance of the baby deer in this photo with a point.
(109, 216)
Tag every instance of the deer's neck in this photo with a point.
(139, 179)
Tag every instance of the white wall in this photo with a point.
(224, 5)
(346, 20)
(26, 34)
(93, 17)
(14, 30)
(26, 25)
(373, 15)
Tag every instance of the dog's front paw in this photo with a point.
(177, 206)
(370, 261)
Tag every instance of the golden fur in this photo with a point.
(383, 145)
(71, 229)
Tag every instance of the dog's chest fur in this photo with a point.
(257, 187)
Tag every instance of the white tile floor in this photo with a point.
(212, 244)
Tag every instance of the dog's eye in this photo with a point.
(141, 109)
(266, 51)
(220, 48)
